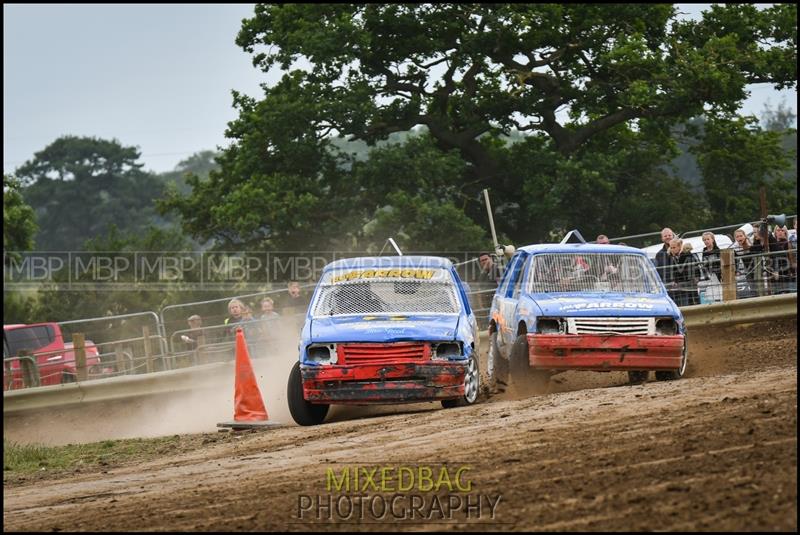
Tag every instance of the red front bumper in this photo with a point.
(604, 352)
(386, 382)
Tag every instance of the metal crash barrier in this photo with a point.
(753, 310)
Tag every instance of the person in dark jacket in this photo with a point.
(680, 275)
(711, 255)
(662, 256)
(762, 259)
(784, 262)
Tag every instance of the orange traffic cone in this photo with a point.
(248, 405)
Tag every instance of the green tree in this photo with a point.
(79, 186)
(19, 228)
(421, 205)
(565, 112)
(465, 70)
(736, 158)
(19, 220)
(56, 302)
(200, 164)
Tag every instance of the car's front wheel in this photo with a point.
(496, 366)
(303, 412)
(471, 386)
(676, 374)
(525, 379)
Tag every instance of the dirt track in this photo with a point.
(714, 451)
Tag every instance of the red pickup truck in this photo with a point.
(55, 358)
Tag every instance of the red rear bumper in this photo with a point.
(385, 382)
(604, 352)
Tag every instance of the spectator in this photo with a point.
(745, 269)
(784, 261)
(602, 239)
(235, 309)
(687, 248)
(490, 272)
(268, 309)
(662, 256)
(195, 337)
(711, 255)
(680, 275)
(295, 303)
(267, 316)
(761, 259)
(252, 328)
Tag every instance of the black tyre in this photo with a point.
(303, 412)
(472, 383)
(638, 377)
(497, 366)
(525, 379)
(677, 374)
(67, 377)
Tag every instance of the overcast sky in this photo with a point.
(154, 76)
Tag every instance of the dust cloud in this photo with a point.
(187, 411)
(712, 351)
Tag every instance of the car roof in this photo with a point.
(579, 248)
(389, 262)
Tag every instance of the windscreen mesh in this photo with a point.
(570, 272)
(386, 295)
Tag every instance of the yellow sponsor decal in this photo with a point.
(385, 318)
(419, 274)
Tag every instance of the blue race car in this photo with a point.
(385, 330)
(579, 306)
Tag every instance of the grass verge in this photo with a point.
(29, 458)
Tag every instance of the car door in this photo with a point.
(507, 299)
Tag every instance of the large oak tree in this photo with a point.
(598, 90)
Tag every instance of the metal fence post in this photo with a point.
(148, 355)
(120, 358)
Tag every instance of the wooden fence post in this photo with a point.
(79, 346)
(728, 275)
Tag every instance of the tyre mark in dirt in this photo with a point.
(558, 450)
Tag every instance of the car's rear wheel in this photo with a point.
(525, 379)
(676, 374)
(471, 386)
(303, 412)
(67, 377)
